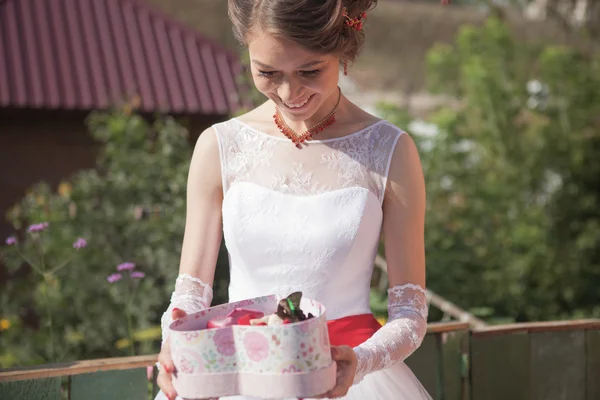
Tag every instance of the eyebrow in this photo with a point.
(307, 65)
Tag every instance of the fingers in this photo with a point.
(335, 353)
(166, 362)
(178, 313)
(167, 367)
(164, 376)
(341, 388)
(342, 353)
(338, 391)
(346, 369)
(164, 383)
(164, 357)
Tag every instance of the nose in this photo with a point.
(289, 90)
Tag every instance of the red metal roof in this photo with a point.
(91, 54)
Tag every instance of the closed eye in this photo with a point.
(311, 73)
(266, 74)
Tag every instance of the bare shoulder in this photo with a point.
(405, 176)
(205, 166)
(259, 118)
(206, 147)
(360, 114)
(406, 150)
(256, 114)
(358, 118)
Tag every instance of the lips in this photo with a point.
(298, 104)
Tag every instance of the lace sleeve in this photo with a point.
(191, 295)
(400, 336)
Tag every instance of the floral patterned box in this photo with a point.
(269, 362)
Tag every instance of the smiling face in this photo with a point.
(301, 83)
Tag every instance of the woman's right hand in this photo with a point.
(166, 363)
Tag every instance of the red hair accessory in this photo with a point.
(356, 22)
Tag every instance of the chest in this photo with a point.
(274, 227)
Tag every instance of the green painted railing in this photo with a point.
(531, 361)
(558, 360)
(111, 378)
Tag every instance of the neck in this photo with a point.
(322, 112)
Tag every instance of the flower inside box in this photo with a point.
(269, 362)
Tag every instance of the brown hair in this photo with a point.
(317, 25)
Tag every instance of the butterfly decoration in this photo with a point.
(289, 308)
(288, 311)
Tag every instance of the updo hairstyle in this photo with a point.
(317, 25)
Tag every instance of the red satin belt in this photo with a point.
(353, 330)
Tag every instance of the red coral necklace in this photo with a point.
(298, 139)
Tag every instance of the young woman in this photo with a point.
(302, 188)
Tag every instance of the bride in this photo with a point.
(302, 188)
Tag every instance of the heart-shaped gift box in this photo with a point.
(269, 362)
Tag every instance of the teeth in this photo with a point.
(298, 105)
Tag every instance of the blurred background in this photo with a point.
(101, 102)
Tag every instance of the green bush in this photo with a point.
(131, 208)
(513, 203)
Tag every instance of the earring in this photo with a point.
(346, 68)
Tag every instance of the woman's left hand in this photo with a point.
(347, 363)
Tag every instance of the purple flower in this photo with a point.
(37, 227)
(11, 240)
(114, 277)
(150, 372)
(80, 243)
(137, 275)
(125, 266)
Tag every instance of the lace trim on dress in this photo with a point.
(408, 297)
(360, 159)
(386, 174)
(400, 336)
(190, 295)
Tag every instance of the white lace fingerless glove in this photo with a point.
(400, 336)
(191, 295)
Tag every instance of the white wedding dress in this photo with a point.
(310, 219)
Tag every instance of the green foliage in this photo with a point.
(513, 209)
(378, 303)
(34, 252)
(131, 208)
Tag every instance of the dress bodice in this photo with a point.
(304, 219)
